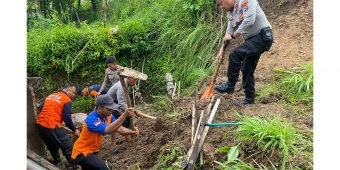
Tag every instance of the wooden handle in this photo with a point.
(145, 115)
(216, 72)
(127, 97)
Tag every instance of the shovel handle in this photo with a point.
(225, 44)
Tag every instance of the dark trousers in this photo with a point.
(245, 58)
(90, 162)
(54, 139)
(126, 122)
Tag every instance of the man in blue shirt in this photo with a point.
(99, 123)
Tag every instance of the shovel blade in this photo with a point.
(208, 93)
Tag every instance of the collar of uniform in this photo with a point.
(98, 115)
(65, 93)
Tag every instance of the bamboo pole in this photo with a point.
(193, 123)
(201, 138)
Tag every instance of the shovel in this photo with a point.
(209, 91)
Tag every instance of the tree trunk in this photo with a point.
(79, 5)
(37, 10)
(105, 11)
(94, 5)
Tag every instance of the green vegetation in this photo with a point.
(162, 104)
(70, 40)
(294, 86)
(165, 32)
(232, 163)
(170, 158)
(270, 135)
(83, 104)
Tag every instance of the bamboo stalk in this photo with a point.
(196, 135)
(201, 138)
(193, 123)
(211, 117)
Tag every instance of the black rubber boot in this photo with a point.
(245, 101)
(225, 87)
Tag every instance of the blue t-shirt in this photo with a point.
(95, 87)
(96, 123)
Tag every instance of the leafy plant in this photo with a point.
(170, 158)
(232, 163)
(298, 84)
(162, 104)
(82, 104)
(270, 135)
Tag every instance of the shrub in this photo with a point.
(270, 135)
(83, 104)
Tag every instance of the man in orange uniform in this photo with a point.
(98, 123)
(57, 108)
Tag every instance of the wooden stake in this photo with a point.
(193, 123)
(174, 92)
(201, 159)
(198, 137)
(142, 71)
(201, 139)
(211, 117)
(179, 88)
(210, 105)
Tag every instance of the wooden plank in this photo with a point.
(128, 72)
(40, 160)
(198, 146)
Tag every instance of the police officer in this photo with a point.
(246, 19)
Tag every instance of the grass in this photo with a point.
(298, 84)
(294, 86)
(268, 90)
(232, 163)
(270, 135)
(170, 158)
(162, 104)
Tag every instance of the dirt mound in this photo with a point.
(144, 150)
